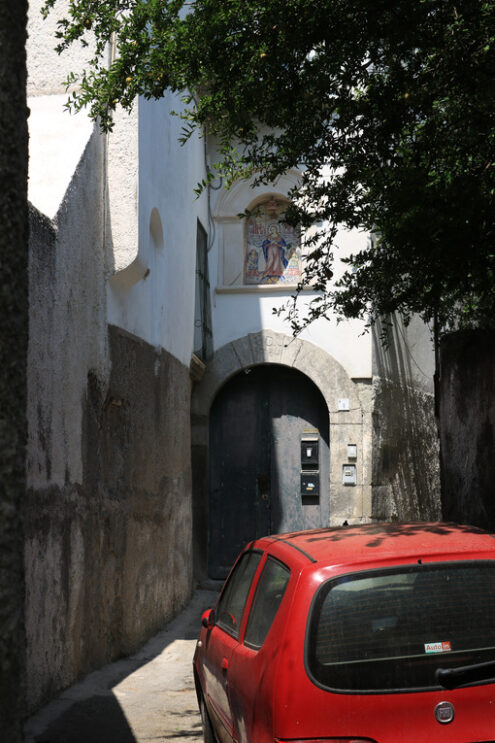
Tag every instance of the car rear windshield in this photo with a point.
(391, 630)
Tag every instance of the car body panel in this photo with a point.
(255, 674)
(220, 647)
(269, 693)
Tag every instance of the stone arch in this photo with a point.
(346, 426)
(269, 347)
(243, 194)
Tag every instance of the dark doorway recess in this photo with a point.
(257, 423)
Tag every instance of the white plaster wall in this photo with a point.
(67, 301)
(121, 215)
(236, 315)
(58, 138)
(47, 70)
(238, 311)
(57, 141)
(154, 297)
(67, 329)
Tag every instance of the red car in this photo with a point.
(383, 633)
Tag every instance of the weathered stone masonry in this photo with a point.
(467, 416)
(109, 559)
(108, 514)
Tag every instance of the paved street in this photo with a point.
(147, 697)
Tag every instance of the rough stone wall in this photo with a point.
(146, 463)
(405, 447)
(405, 471)
(67, 334)
(67, 337)
(47, 70)
(110, 558)
(108, 515)
(467, 426)
(13, 353)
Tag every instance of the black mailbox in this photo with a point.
(309, 454)
(310, 483)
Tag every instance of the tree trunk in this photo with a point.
(13, 358)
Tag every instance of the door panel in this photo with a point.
(256, 425)
(239, 504)
(296, 408)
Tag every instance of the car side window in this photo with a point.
(269, 594)
(230, 608)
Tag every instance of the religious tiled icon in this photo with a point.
(273, 250)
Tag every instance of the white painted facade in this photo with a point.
(118, 432)
(153, 297)
(112, 279)
(149, 211)
(145, 229)
(239, 310)
(150, 260)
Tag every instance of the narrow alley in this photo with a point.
(149, 696)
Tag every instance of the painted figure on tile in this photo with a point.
(272, 247)
(274, 250)
(252, 264)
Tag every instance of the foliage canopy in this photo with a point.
(388, 106)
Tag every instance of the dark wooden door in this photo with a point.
(257, 422)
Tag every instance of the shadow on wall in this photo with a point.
(405, 473)
(109, 559)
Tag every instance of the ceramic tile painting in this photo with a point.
(273, 252)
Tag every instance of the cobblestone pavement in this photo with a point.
(149, 696)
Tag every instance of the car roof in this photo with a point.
(395, 540)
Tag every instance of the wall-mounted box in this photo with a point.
(310, 483)
(309, 454)
(351, 451)
(349, 475)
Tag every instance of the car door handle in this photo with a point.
(225, 664)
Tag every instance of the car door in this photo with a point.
(253, 662)
(222, 640)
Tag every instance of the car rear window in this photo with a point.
(391, 630)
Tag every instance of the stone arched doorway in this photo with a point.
(345, 425)
(263, 422)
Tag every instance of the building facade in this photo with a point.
(172, 415)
